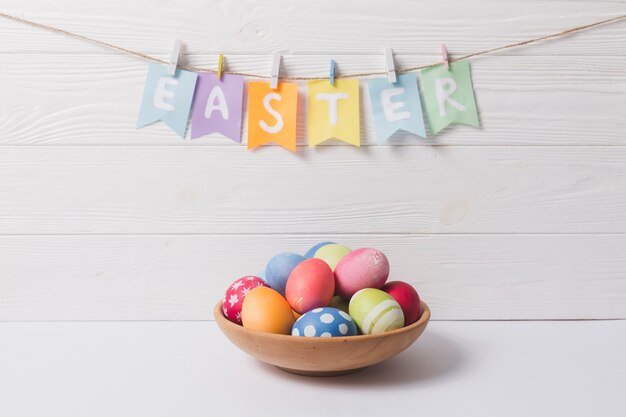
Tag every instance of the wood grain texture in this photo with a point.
(69, 100)
(85, 190)
(524, 218)
(182, 277)
(325, 26)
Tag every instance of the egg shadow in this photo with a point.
(432, 356)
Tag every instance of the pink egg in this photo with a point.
(310, 285)
(407, 297)
(233, 299)
(361, 268)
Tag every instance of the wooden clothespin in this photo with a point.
(275, 71)
(220, 66)
(171, 68)
(391, 67)
(444, 56)
(332, 72)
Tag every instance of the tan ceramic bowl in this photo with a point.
(318, 356)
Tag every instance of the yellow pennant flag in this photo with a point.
(272, 114)
(334, 111)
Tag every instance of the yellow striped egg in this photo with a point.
(375, 311)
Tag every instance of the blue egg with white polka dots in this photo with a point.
(324, 322)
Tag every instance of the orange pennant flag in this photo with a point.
(272, 114)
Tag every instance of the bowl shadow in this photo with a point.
(431, 357)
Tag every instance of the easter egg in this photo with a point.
(278, 269)
(324, 322)
(261, 274)
(332, 254)
(311, 284)
(233, 299)
(339, 303)
(375, 311)
(265, 310)
(407, 297)
(361, 268)
(311, 252)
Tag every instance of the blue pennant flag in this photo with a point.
(167, 98)
(396, 106)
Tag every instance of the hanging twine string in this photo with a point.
(150, 58)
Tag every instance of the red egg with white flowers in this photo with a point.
(407, 297)
(310, 285)
(233, 299)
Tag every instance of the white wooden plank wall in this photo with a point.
(522, 219)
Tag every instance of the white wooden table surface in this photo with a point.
(188, 369)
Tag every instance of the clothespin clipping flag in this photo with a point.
(167, 97)
(217, 106)
(396, 106)
(449, 96)
(334, 111)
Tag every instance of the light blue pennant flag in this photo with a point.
(396, 106)
(167, 98)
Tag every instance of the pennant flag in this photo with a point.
(167, 98)
(449, 96)
(217, 106)
(272, 114)
(334, 111)
(396, 106)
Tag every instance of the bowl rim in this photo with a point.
(218, 313)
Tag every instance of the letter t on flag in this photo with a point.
(449, 96)
(167, 98)
(334, 111)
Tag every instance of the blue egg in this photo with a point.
(324, 322)
(311, 252)
(261, 274)
(278, 269)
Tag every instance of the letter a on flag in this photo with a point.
(217, 106)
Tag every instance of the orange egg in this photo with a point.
(296, 315)
(265, 310)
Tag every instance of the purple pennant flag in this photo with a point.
(217, 106)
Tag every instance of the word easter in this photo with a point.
(333, 110)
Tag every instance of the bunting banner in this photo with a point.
(333, 103)
(333, 111)
(396, 106)
(272, 114)
(217, 106)
(167, 98)
(449, 96)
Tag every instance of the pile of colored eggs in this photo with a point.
(330, 291)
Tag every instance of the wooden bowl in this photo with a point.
(316, 356)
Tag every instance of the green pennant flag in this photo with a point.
(449, 96)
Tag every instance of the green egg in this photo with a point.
(332, 254)
(375, 311)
